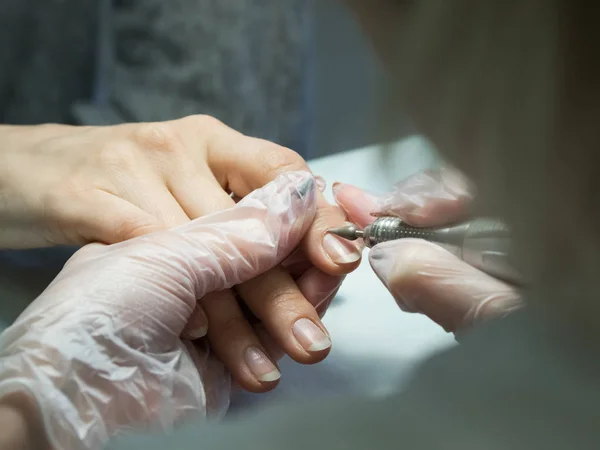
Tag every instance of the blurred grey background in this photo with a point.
(298, 72)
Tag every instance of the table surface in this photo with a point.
(375, 345)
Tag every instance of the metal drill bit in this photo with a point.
(482, 242)
(349, 232)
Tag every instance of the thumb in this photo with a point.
(426, 278)
(226, 248)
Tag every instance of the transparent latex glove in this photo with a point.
(424, 277)
(100, 349)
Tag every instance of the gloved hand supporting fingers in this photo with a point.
(426, 278)
(261, 230)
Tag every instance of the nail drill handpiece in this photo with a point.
(483, 243)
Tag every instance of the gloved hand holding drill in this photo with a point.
(422, 276)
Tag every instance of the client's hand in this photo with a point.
(100, 349)
(74, 185)
(424, 277)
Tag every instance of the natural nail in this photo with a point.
(198, 326)
(321, 183)
(336, 187)
(310, 336)
(197, 332)
(261, 366)
(341, 251)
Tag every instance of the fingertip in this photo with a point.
(394, 261)
(321, 183)
(342, 252)
(317, 286)
(332, 255)
(197, 326)
(313, 339)
(356, 203)
(251, 384)
(262, 374)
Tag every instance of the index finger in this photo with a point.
(426, 199)
(243, 164)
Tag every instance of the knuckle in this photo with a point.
(284, 301)
(159, 136)
(327, 217)
(127, 228)
(203, 121)
(121, 154)
(231, 326)
(277, 159)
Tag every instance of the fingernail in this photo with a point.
(310, 336)
(321, 183)
(197, 332)
(336, 187)
(402, 257)
(261, 366)
(199, 327)
(380, 263)
(341, 251)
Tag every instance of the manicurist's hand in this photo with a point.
(424, 277)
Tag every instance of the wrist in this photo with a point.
(21, 424)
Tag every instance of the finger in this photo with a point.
(296, 264)
(199, 193)
(324, 306)
(271, 346)
(426, 278)
(197, 325)
(430, 198)
(235, 343)
(158, 201)
(356, 203)
(216, 380)
(263, 162)
(110, 220)
(286, 314)
(318, 287)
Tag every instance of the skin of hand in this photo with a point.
(22, 429)
(75, 185)
(100, 349)
(424, 277)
